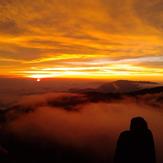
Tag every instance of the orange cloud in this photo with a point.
(98, 36)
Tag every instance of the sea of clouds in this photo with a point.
(70, 124)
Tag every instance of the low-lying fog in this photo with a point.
(89, 129)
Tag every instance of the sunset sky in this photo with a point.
(106, 39)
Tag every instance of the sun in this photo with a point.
(38, 79)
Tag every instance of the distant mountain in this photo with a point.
(119, 86)
(154, 96)
(153, 90)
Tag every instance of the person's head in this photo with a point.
(138, 123)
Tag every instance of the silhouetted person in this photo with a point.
(135, 145)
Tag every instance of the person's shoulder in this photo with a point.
(124, 133)
(149, 132)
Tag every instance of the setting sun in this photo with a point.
(38, 79)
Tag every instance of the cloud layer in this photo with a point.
(90, 130)
(90, 37)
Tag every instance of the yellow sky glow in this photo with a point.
(82, 39)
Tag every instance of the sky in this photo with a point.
(101, 39)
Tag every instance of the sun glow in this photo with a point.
(38, 80)
(105, 71)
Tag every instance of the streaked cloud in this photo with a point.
(89, 38)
